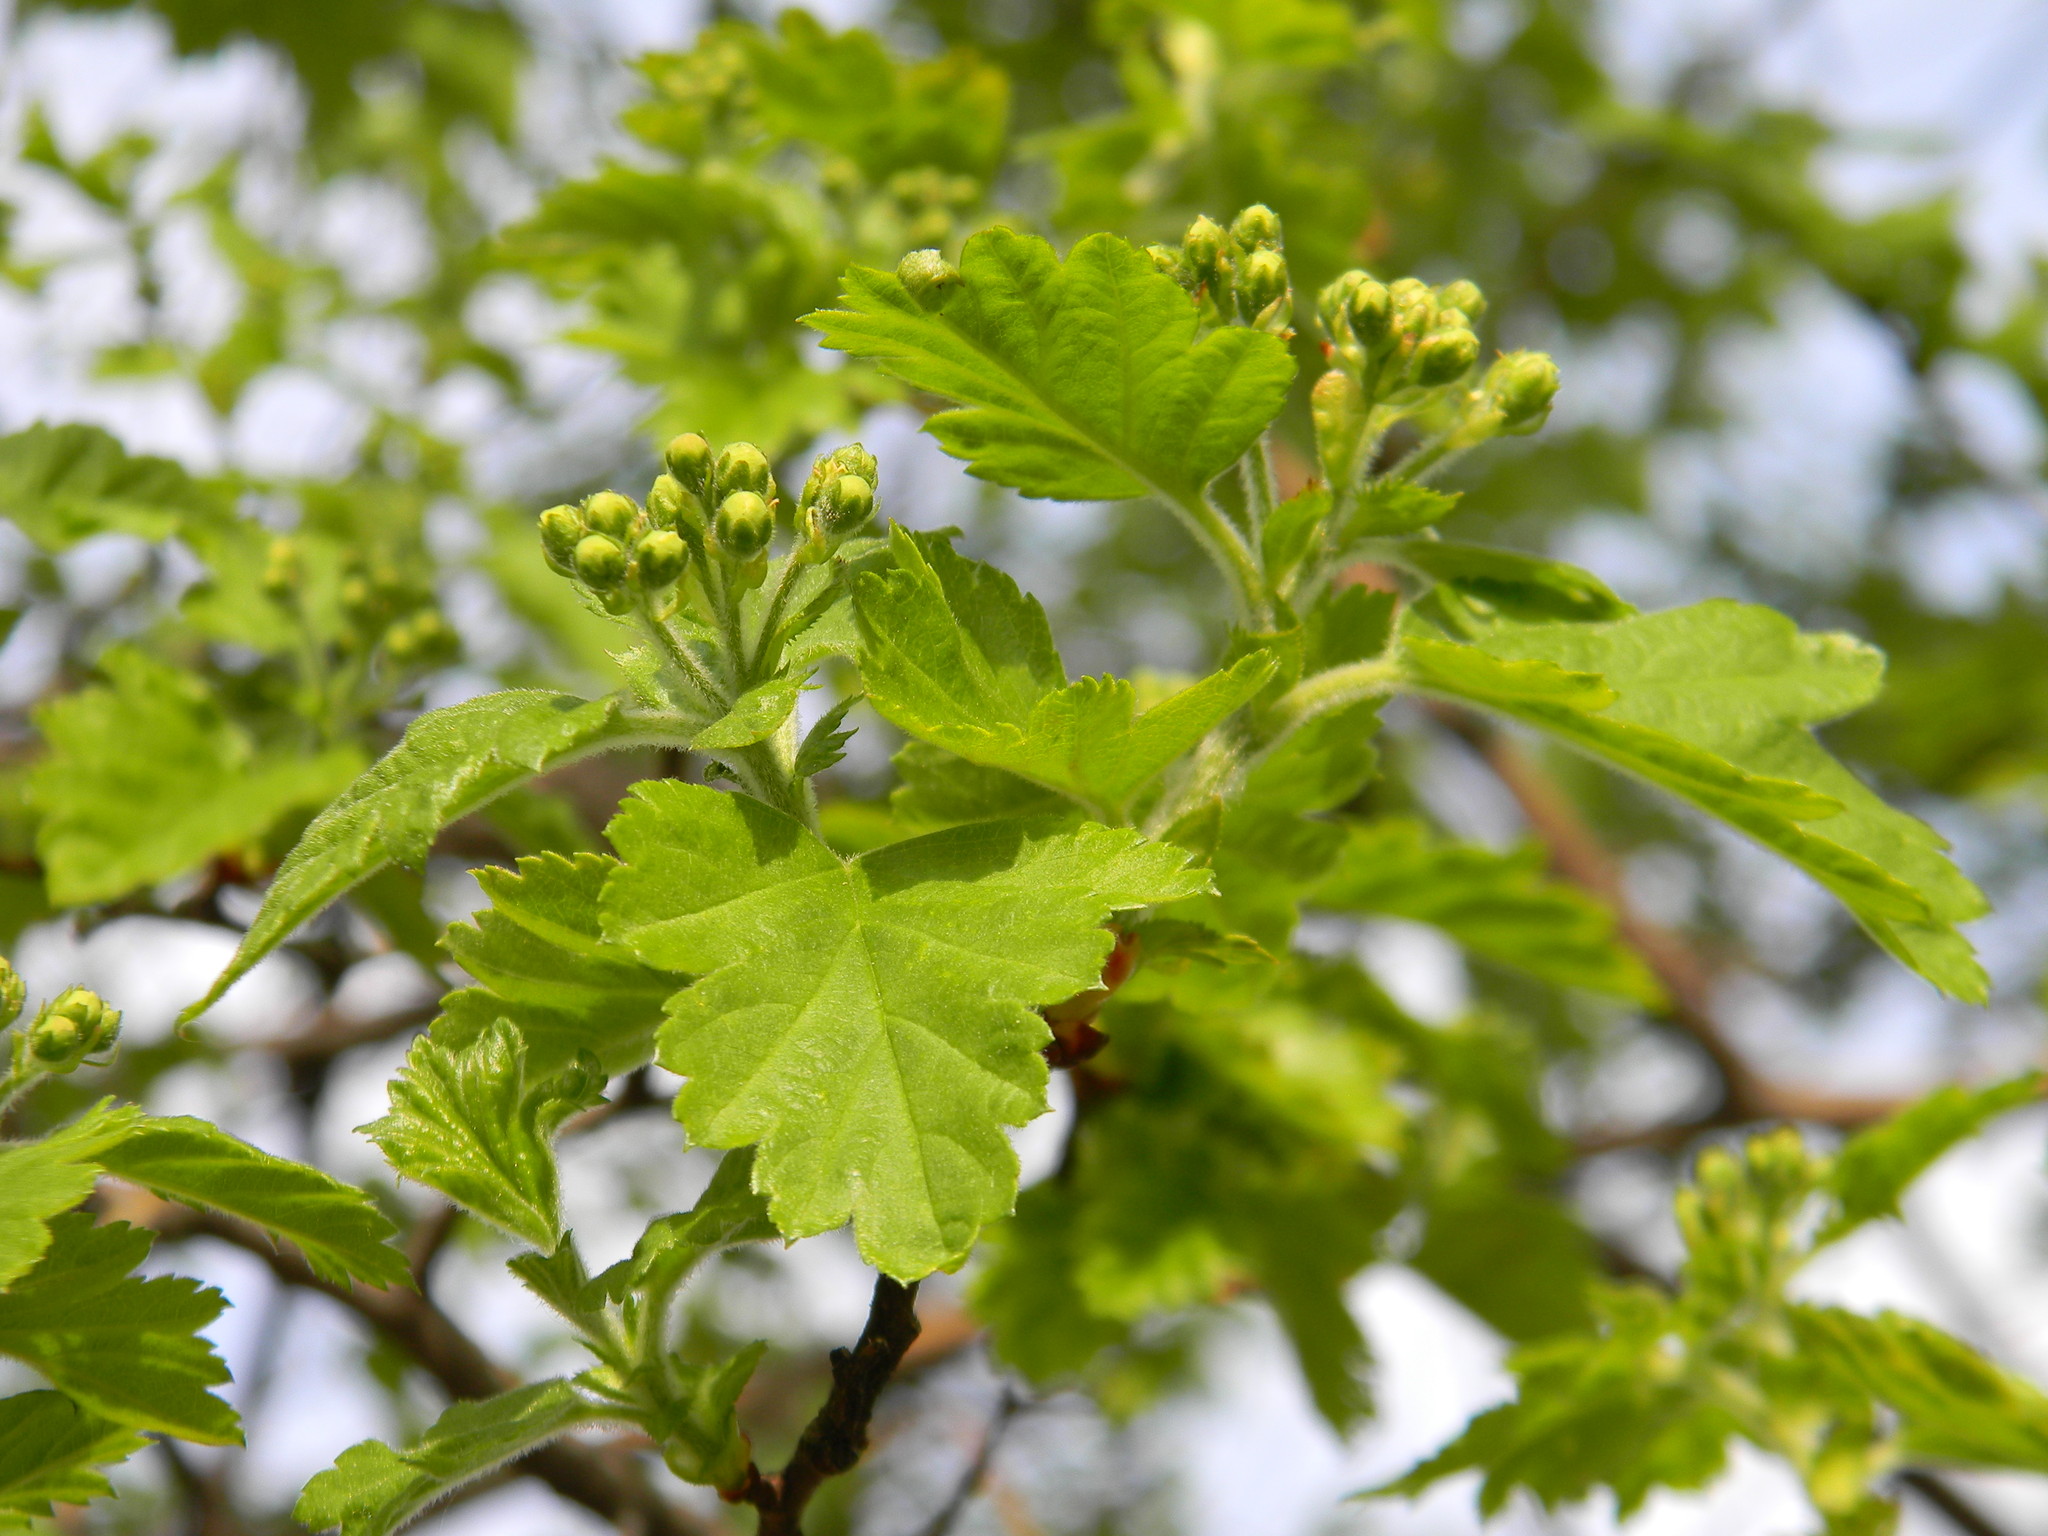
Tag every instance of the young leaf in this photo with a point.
(342, 1234)
(115, 818)
(472, 1124)
(825, 742)
(755, 716)
(541, 961)
(729, 1212)
(451, 762)
(1714, 703)
(63, 484)
(49, 1447)
(39, 1179)
(954, 654)
(1872, 1171)
(868, 1022)
(1290, 531)
(1391, 507)
(1512, 584)
(1079, 382)
(125, 1348)
(372, 1490)
(1496, 905)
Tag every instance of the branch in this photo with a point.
(614, 1490)
(1961, 1513)
(837, 1435)
(1007, 1408)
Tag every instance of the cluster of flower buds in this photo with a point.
(929, 203)
(838, 500)
(1401, 335)
(382, 606)
(1241, 271)
(72, 1026)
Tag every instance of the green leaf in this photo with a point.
(38, 1179)
(49, 1447)
(63, 484)
(869, 1023)
(729, 1212)
(1509, 1251)
(825, 742)
(1714, 703)
(115, 818)
(1390, 507)
(340, 1231)
(1511, 584)
(1080, 382)
(1290, 530)
(1874, 1168)
(955, 655)
(475, 1125)
(125, 1348)
(372, 1490)
(755, 716)
(451, 762)
(1497, 905)
(540, 960)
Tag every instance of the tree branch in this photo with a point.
(1960, 1512)
(837, 1436)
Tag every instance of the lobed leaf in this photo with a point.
(66, 483)
(868, 1023)
(49, 1448)
(40, 1179)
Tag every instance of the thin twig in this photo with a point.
(1008, 1406)
(1960, 1512)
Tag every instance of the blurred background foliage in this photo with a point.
(321, 302)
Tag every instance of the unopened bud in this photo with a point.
(1412, 305)
(13, 993)
(421, 640)
(282, 570)
(72, 1026)
(1521, 386)
(1165, 258)
(743, 467)
(664, 501)
(744, 525)
(1369, 306)
(600, 561)
(1442, 356)
(1463, 295)
(1258, 227)
(687, 458)
(1261, 280)
(1202, 249)
(659, 559)
(358, 597)
(610, 514)
(930, 278)
(826, 469)
(561, 530)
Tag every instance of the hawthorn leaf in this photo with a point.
(1290, 530)
(115, 818)
(1512, 584)
(729, 1212)
(1874, 1168)
(868, 1022)
(540, 960)
(126, 1348)
(474, 1124)
(49, 1448)
(1081, 381)
(1714, 703)
(339, 1229)
(373, 1490)
(755, 716)
(1500, 906)
(450, 762)
(955, 655)
(825, 742)
(66, 483)
(1390, 507)
(40, 1179)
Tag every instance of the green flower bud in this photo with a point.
(743, 467)
(1165, 258)
(422, 640)
(840, 511)
(72, 1026)
(1521, 386)
(1463, 295)
(1261, 280)
(687, 458)
(744, 525)
(659, 559)
(852, 459)
(1413, 306)
(610, 514)
(1258, 227)
(930, 278)
(600, 561)
(664, 501)
(358, 597)
(282, 570)
(1202, 248)
(1369, 307)
(1442, 356)
(13, 993)
(561, 530)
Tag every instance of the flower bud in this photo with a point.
(1202, 248)
(744, 525)
(659, 558)
(743, 467)
(1463, 295)
(1261, 280)
(1521, 386)
(1413, 306)
(421, 640)
(687, 458)
(610, 514)
(561, 530)
(1258, 227)
(1165, 258)
(72, 1026)
(600, 561)
(1442, 356)
(826, 469)
(282, 570)
(1369, 307)
(930, 278)
(358, 597)
(13, 993)
(664, 501)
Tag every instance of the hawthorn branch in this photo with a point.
(1958, 1511)
(837, 1436)
(613, 1489)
